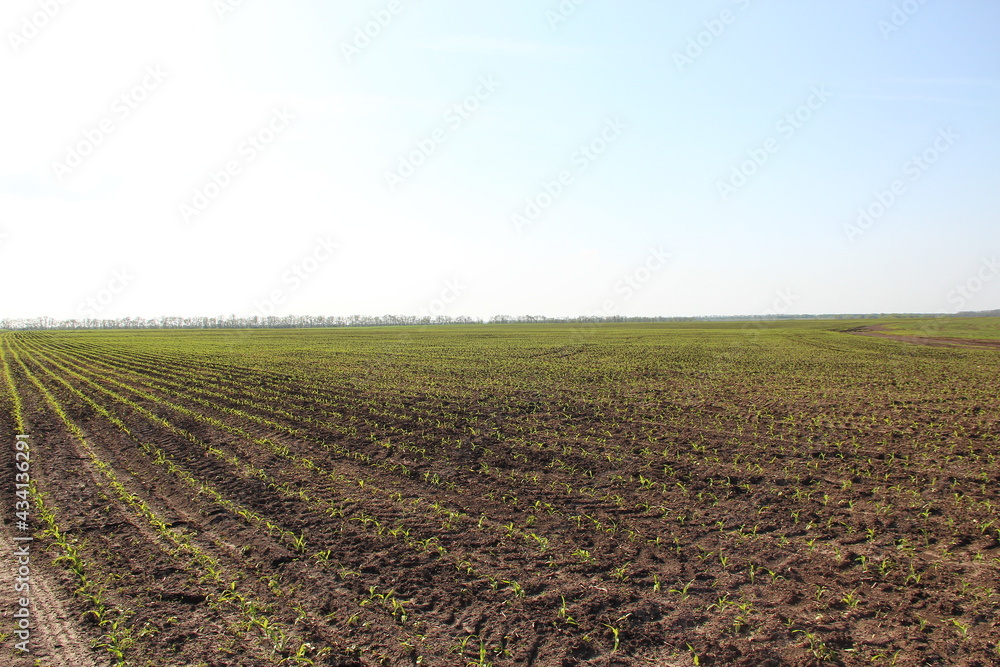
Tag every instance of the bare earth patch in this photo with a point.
(879, 331)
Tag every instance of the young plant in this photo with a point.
(683, 592)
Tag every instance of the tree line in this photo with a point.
(332, 321)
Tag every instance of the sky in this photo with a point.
(475, 158)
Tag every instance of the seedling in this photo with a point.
(616, 632)
(817, 647)
(683, 592)
(620, 573)
(563, 613)
(851, 599)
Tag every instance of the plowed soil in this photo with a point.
(633, 497)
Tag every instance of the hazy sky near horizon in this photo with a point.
(465, 157)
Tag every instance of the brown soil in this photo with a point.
(579, 540)
(880, 331)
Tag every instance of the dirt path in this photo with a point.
(55, 639)
(878, 330)
(58, 642)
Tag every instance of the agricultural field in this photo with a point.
(785, 493)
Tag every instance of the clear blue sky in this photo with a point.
(731, 146)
